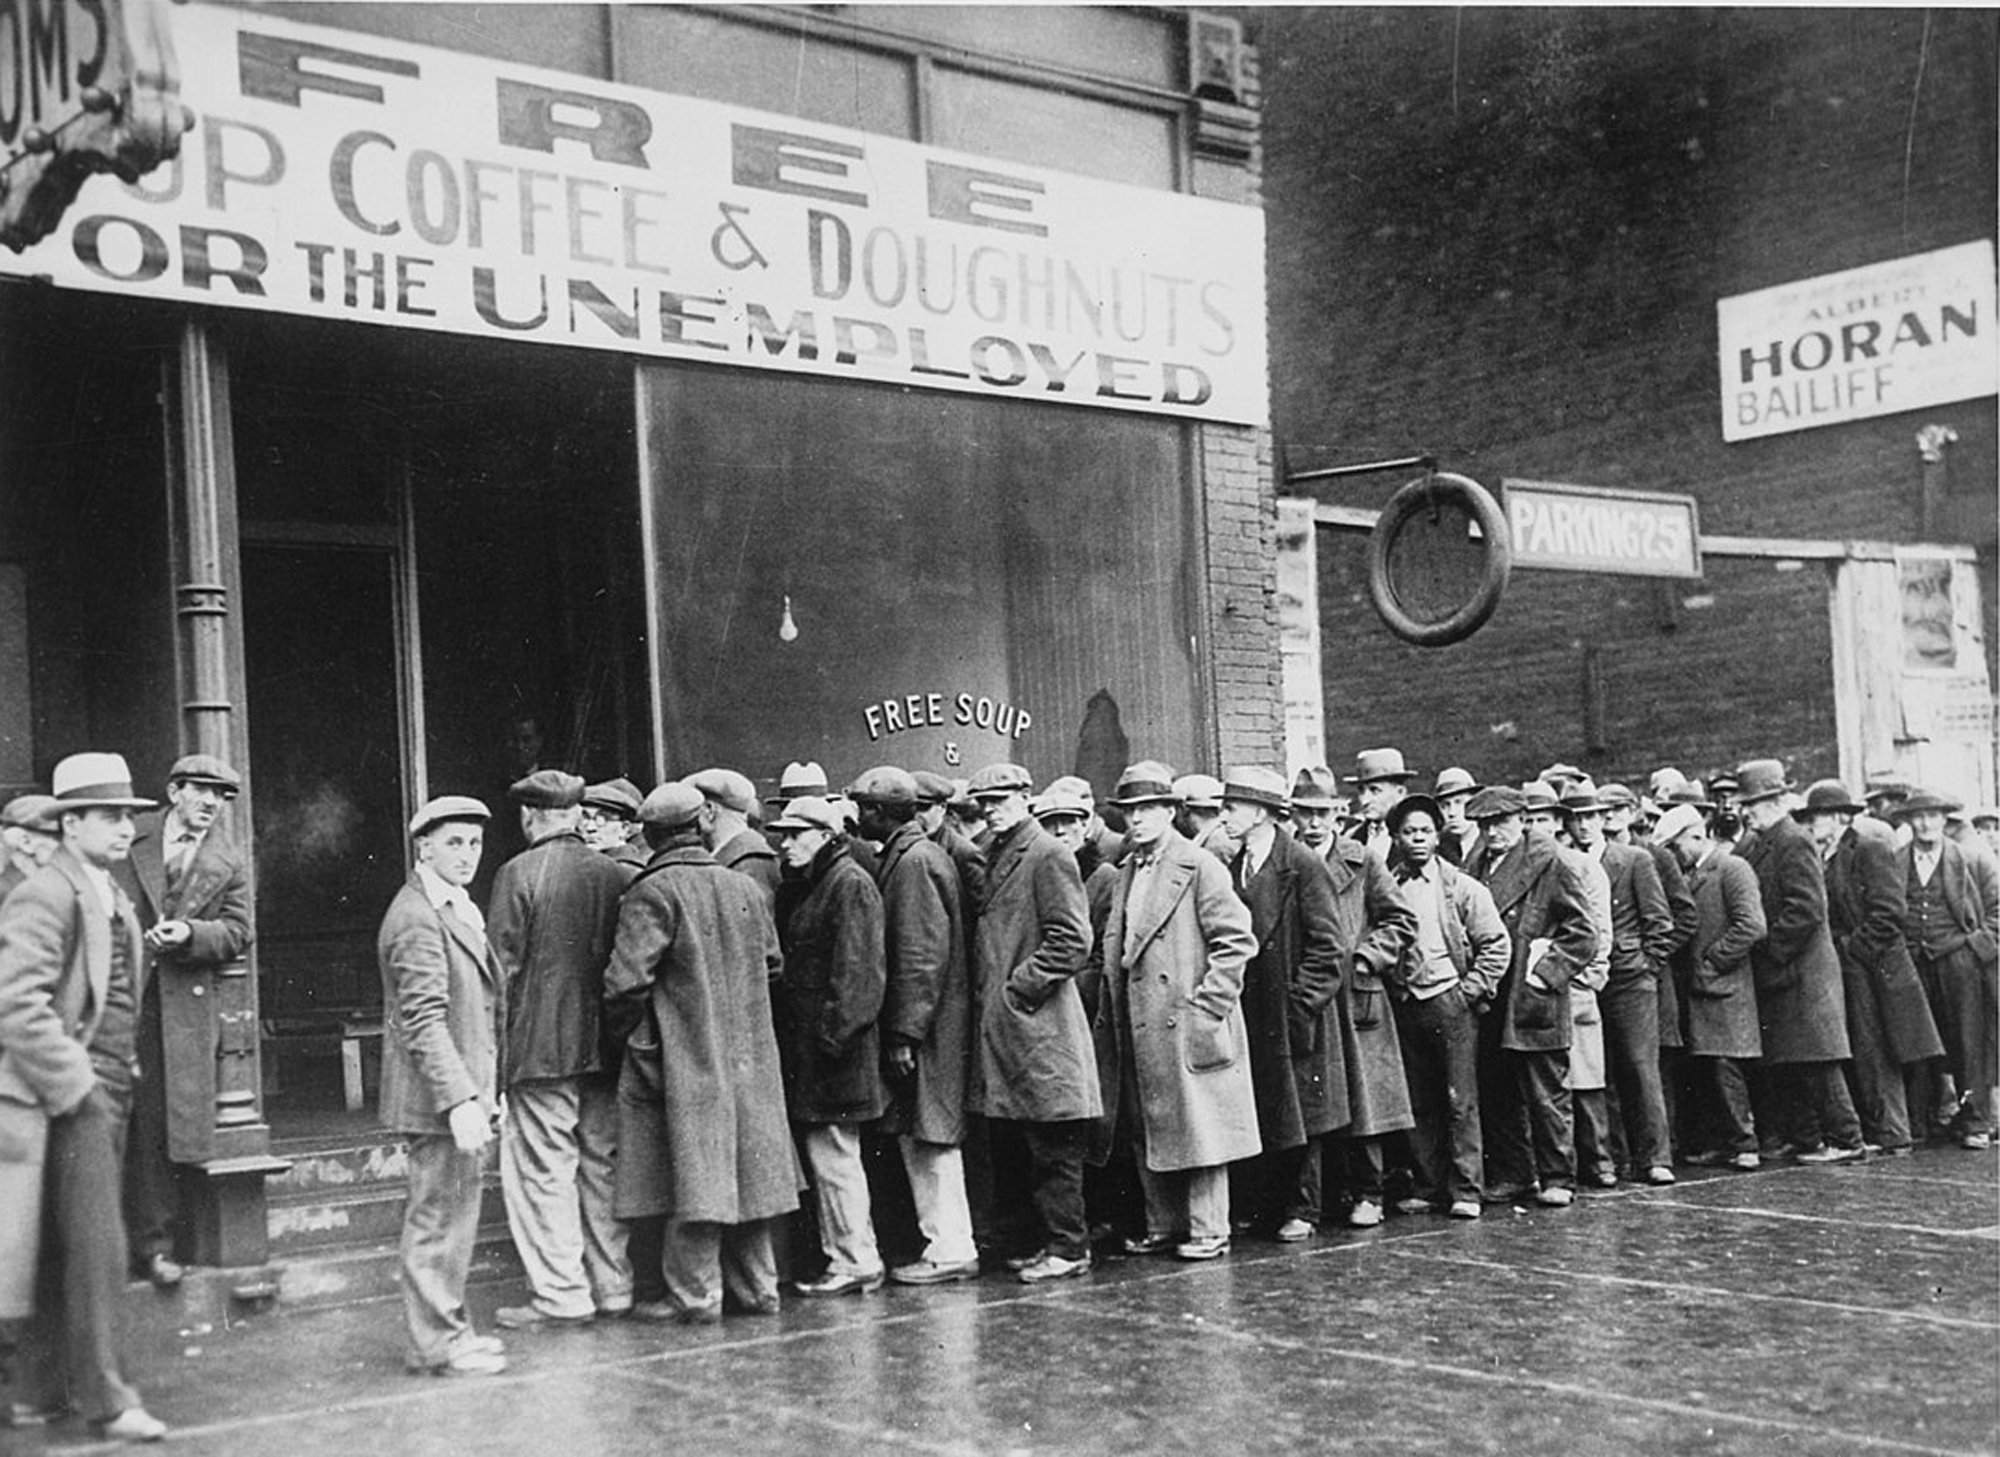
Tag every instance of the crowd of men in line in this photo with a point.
(1260, 1007)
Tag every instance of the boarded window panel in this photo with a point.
(561, 37)
(669, 49)
(1129, 47)
(1023, 556)
(996, 118)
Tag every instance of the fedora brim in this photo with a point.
(104, 802)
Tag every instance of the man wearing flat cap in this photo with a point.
(1201, 818)
(72, 973)
(830, 1006)
(550, 923)
(1172, 1047)
(728, 801)
(192, 891)
(926, 1023)
(444, 1024)
(1805, 1106)
(934, 796)
(1034, 1069)
(29, 836)
(1296, 1068)
(702, 1139)
(1889, 1022)
(1952, 922)
(609, 824)
(1457, 834)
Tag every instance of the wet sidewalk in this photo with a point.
(1797, 1310)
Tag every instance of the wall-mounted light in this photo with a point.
(788, 630)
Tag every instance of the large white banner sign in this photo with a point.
(1871, 341)
(344, 176)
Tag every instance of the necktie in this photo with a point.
(183, 853)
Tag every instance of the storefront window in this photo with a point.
(969, 580)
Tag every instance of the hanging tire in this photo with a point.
(1443, 487)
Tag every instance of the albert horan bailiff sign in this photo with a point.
(346, 176)
(1870, 341)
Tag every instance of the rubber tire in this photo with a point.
(1478, 503)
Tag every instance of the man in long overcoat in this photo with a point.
(1889, 1023)
(553, 911)
(1720, 995)
(1799, 1003)
(1172, 1045)
(830, 1043)
(1373, 926)
(28, 838)
(1952, 921)
(71, 973)
(444, 1013)
(192, 891)
(728, 801)
(1034, 1071)
(1524, 1039)
(1296, 1063)
(1621, 810)
(926, 1022)
(609, 824)
(702, 1136)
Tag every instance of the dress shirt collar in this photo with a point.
(442, 894)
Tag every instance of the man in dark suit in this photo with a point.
(1524, 1039)
(553, 914)
(609, 824)
(192, 892)
(1953, 925)
(72, 971)
(443, 1011)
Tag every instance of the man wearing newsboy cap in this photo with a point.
(72, 971)
(192, 891)
(443, 1019)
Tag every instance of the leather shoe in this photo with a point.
(1660, 1174)
(1464, 1209)
(1747, 1163)
(1150, 1244)
(165, 1273)
(1828, 1153)
(529, 1318)
(1413, 1206)
(1293, 1230)
(1976, 1141)
(134, 1424)
(930, 1272)
(831, 1284)
(1556, 1197)
(1018, 1263)
(1365, 1214)
(467, 1360)
(1203, 1247)
(1052, 1266)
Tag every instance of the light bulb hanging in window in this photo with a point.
(788, 630)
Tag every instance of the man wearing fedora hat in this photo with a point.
(1452, 792)
(1597, 1140)
(1952, 922)
(1034, 1067)
(444, 1020)
(1889, 1023)
(1316, 809)
(550, 922)
(1172, 1046)
(192, 891)
(1805, 1103)
(72, 973)
(29, 835)
(703, 1143)
(1296, 1067)
(1379, 780)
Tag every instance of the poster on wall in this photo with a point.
(348, 176)
(1893, 336)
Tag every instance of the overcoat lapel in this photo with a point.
(1170, 883)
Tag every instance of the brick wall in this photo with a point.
(1499, 236)
(1240, 510)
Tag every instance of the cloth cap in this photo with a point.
(1453, 781)
(96, 781)
(1983, 812)
(1371, 765)
(447, 807)
(885, 784)
(1314, 789)
(1077, 785)
(1723, 783)
(1496, 801)
(1827, 796)
(32, 812)
(1925, 801)
(1204, 791)
(672, 805)
(1663, 779)
(1407, 805)
(1675, 823)
(725, 787)
(1617, 796)
(1562, 772)
(810, 812)
(1054, 804)
(798, 779)
(618, 797)
(1885, 784)
(932, 788)
(1760, 779)
(547, 789)
(1539, 794)
(206, 769)
(1254, 784)
(1000, 779)
(1146, 782)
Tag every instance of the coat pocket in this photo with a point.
(1211, 1043)
(1535, 1009)
(643, 1077)
(1369, 1003)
